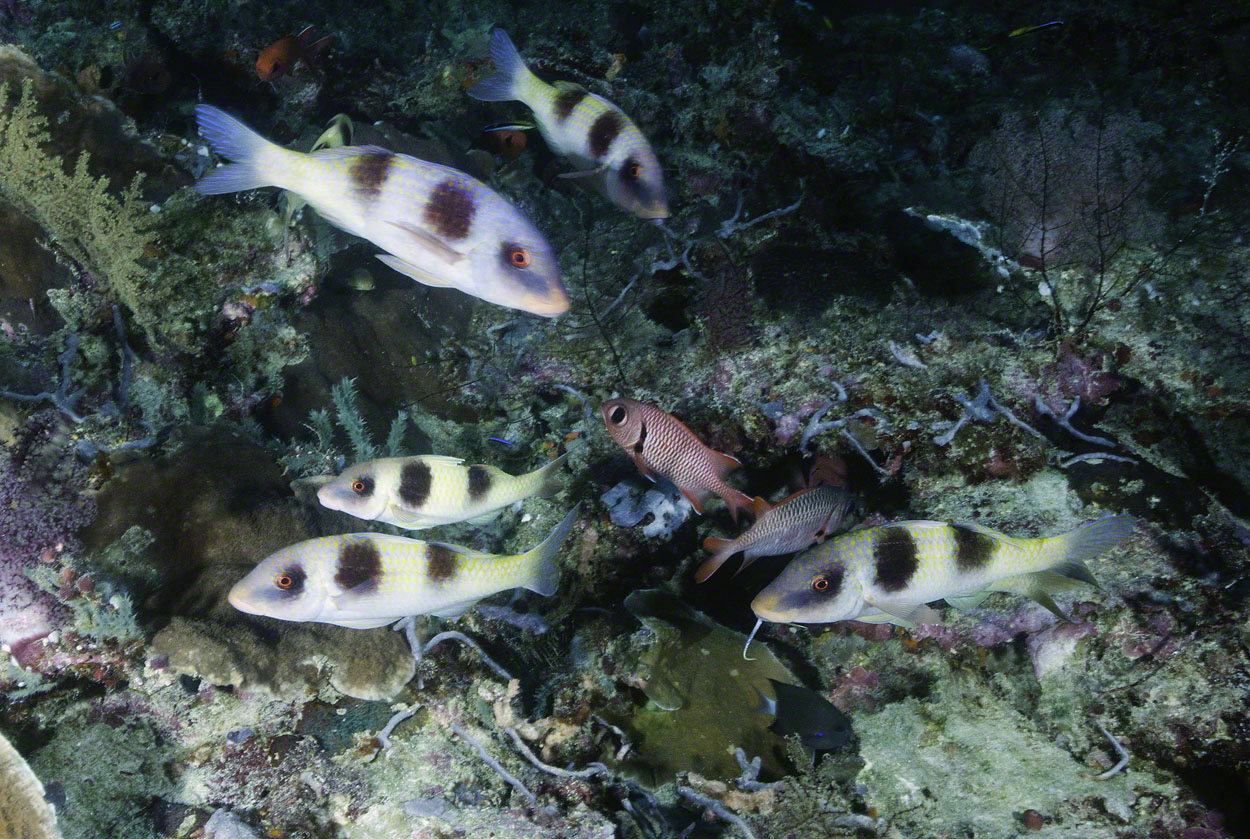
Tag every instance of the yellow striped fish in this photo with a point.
(437, 225)
(604, 144)
(425, 491)
(886, 574)
(365, 580)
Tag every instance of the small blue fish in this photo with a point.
(501, 440)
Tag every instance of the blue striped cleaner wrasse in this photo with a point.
(428, 490)
(366, 580)
(437, 225)
(887, 574)
(604, 145)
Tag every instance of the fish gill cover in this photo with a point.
(976, 276)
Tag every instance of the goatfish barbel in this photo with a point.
(609, 151)
(805, 518)
(428, 490)
(662, 445)
(437, 225)
(886, 574)
(366, 580)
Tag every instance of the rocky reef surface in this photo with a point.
(972, 264)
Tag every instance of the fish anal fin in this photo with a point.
(693, 498)
(967, 602)
(411, 271)
(1074, 569)
(643, 468)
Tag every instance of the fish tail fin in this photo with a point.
(1070, 550)
(544, 574)
(721, 549)
(548, 477)
(510, 71)
(738, 502)
(252, 154)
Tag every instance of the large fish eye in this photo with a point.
(632, 170)
(618, 415)
(519, 256)
(284, 581)
(821, 583)
(358, 486)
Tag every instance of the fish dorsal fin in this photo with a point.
(795, 495)
(759, 506)
(346, 152)
(993, 534)
(566, 85)
(429, 242)
(441, 459)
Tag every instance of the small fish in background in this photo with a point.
(429, 490)
(794, 524)
(280, 57)
(886, 574)
(662, 445)
(507, 140)
(366, 580)
(438, 225)
(816, 721)
(609, 151)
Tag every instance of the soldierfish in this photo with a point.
(438, 225)
(280, 57)
(886, 574)
(365, 580)
(604, 144)
(662, 445)
(797, 522)
(428, 490)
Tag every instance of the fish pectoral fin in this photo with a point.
(411, 271)
(906, 615)
(643, 468)
(430, 242)
(967, 602)
(583, 173)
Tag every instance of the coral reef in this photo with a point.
(973, 265)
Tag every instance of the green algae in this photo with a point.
(704, 696)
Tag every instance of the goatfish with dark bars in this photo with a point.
(803, 519)
(428, 490)
(366, 580)
(437, 225)
(609, 151)
(887, 574)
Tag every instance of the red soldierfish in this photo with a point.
(662, 445)
(796, 523)
(280, 57)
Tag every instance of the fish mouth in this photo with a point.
(236, 599)
(548, 307)
(765, 608)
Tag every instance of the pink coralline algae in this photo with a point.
(856, 690)
(39, 515)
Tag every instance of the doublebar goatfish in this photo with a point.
(438, 225)
(606, 147)
(428, 490)
(365, 580)
(886, 574)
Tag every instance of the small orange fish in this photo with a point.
(280, 57)
(507, 141)
(662, 445)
